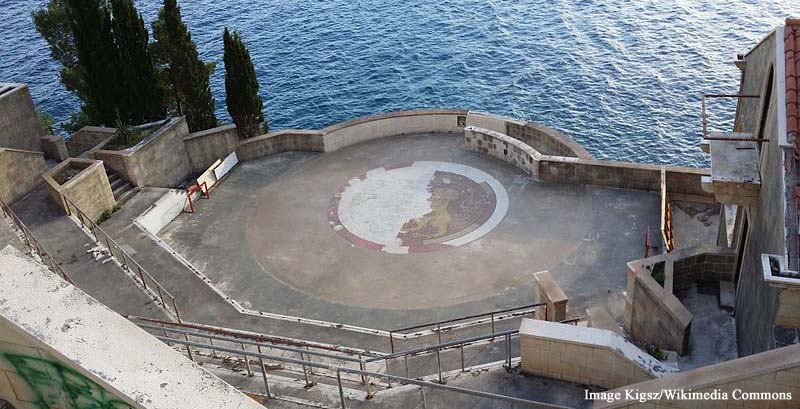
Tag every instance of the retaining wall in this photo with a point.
(20, 172)
(54, 147)
(161, 160)
(711, 267)
(584, 355)
(394, 123)
(205, 147)
(87, 138)
(282, 141)
(19, 123)
(163, 211)
(503, 147)
(775, 371)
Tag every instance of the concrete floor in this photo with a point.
(695, 223)
(713, 334)
(294, 263)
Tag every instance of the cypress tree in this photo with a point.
(186, 75)
(141, 99)
(90, 24)
(241, 88)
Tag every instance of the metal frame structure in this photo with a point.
(705, 117)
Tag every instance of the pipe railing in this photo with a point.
(128, 263)
(440, 327)
(359, 372)
(33, 244)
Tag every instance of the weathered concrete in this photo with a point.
(551, 294)
(205, 147)
(20, 172)
(99, 359)
(282, 141)
(275, 273)
(89, 189)
(584, 355)
(160, 160)
(88, 138)
(19, 124)
(54, 147)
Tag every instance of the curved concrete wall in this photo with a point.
(503, 147)
(394, 123)
(543, 139)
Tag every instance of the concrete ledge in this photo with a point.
(552, 294)
(207, 146)
(584, 355)
(54, 147)
(503, 147)
(394, 123)
(777, 370)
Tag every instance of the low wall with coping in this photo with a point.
(503, 147)
(54, 147)
(88, 138)
(543, 139)
(160, 160)
(590, 356)
(711, 266)
(282, 141)
(774, 373)
(653, 315)
(394, 123)
(205, 147)
(163, 211)
(89, 189)
(20, 172)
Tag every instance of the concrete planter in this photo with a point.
(85, 182)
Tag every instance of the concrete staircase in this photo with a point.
(122, 189)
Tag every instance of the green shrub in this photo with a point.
(107, 214)
(656, 352)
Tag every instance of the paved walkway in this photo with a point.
(64, 240)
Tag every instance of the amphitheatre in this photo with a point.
(422, 258)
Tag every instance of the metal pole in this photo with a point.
(391, 341)
(508, 351)
(165, 333)
(141, 276)
(263, 373)
(388, 380)
(363, 368)
(305, 372)
(247, 363)
(405, 362)
(462, 358)
(439, 365)
(439, 332)
(492, 323)
(341, 390)
(214, 350)
(424, 401)
(177, 312)
(308, 348)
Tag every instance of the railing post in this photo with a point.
(508, 351)
(341, 390)
(424, 401)
(213, 350)
(247, 361)
(177, 312)
(388, 380)
(264, 373)
(310, 368)
(141, 276)
(405, 363)
(439, 365)
(462, 357)
(305, 371)
(161, 296)
(492, 323)
(363, 367)
(391, 341)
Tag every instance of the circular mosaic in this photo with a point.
(418, 207)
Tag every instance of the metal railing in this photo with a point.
(135, 270)
(704, 114)
(32, 243)
(337, 370)
(440, 327)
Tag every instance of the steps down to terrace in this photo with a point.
(122, 189)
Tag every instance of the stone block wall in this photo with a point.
(89, 189)
(54, 147)
(584, 355)
(205, 147)
(702, 268)
(773, 372)
(20, 172)
(282, 141)
(19, 124)
(654, 316)
(161, 160)
(502, 147)
(87, 138)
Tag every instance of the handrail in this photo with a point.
(445, 345)
(126, 260)
(338, 369)
(469, 317)
(33, 244)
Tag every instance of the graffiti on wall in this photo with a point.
(53, 385)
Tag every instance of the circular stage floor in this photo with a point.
(406, 223)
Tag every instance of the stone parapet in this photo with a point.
(282, 141)
(20, 172)
(550, 292)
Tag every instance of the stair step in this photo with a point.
(121, 188)
(116, 182)
(127, 195)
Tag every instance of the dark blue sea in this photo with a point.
(622, 77)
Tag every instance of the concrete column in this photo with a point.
(550, 293)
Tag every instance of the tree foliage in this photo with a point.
(186, 75)
(241, 88)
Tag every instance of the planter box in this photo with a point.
(85, 182)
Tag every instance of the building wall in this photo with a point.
(20, 172)
(19, 124)
(205, 147)
(757, 302)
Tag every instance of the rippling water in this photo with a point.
(622, 77)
